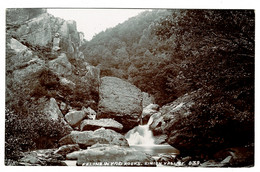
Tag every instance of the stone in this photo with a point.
(211, 163)
(75, 117)
(120, 101)
(52, 110)
(168, 116)
(160, 139)
(36, 31)
(61, 65)
(66, 149)
(227, 160)
(166, 158)
(17, 46)
(114, 155)
(147, 99)
(157, 123)
(20, 15)
(148, 111)
(91, 114)
(101, 123)
(63, 107)
(42, 157)
(89, 138)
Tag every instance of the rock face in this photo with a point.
(101, 123)
(114, 155)
(89, 138)
(61, 66)
(121, 101)
(38, 28)
(19, 15)
(195, 133)
(36, 71)
(44, 70)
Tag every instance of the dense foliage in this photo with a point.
(170, 52)
(28, 132)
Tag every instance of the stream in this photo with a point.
(141, 138)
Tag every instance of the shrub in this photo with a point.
(24, 132)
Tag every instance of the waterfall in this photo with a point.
(141, 135)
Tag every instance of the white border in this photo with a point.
(187, 4)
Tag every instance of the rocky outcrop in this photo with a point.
(121, 101)
(38, 28)
(20, 15)
(36, 71)
(195, 133)
(100, 123)
(61, 66)
(114, 155)
(89, 138)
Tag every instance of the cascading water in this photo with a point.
(141, 138)
(141, 135)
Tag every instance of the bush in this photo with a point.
(24, 132)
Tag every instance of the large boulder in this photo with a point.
(113, 155)
(89, 138)
(88, 124)
(121, 101)
(52, 109)
(44, 157)
(75, 117)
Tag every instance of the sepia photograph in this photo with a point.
(130, 87)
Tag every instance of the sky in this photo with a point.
(93, 21)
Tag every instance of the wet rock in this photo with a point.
(114, 155)
(89, 138)
(120, 101)
(45, 157)
(66, 149)
(101, 123)
(160, 139)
